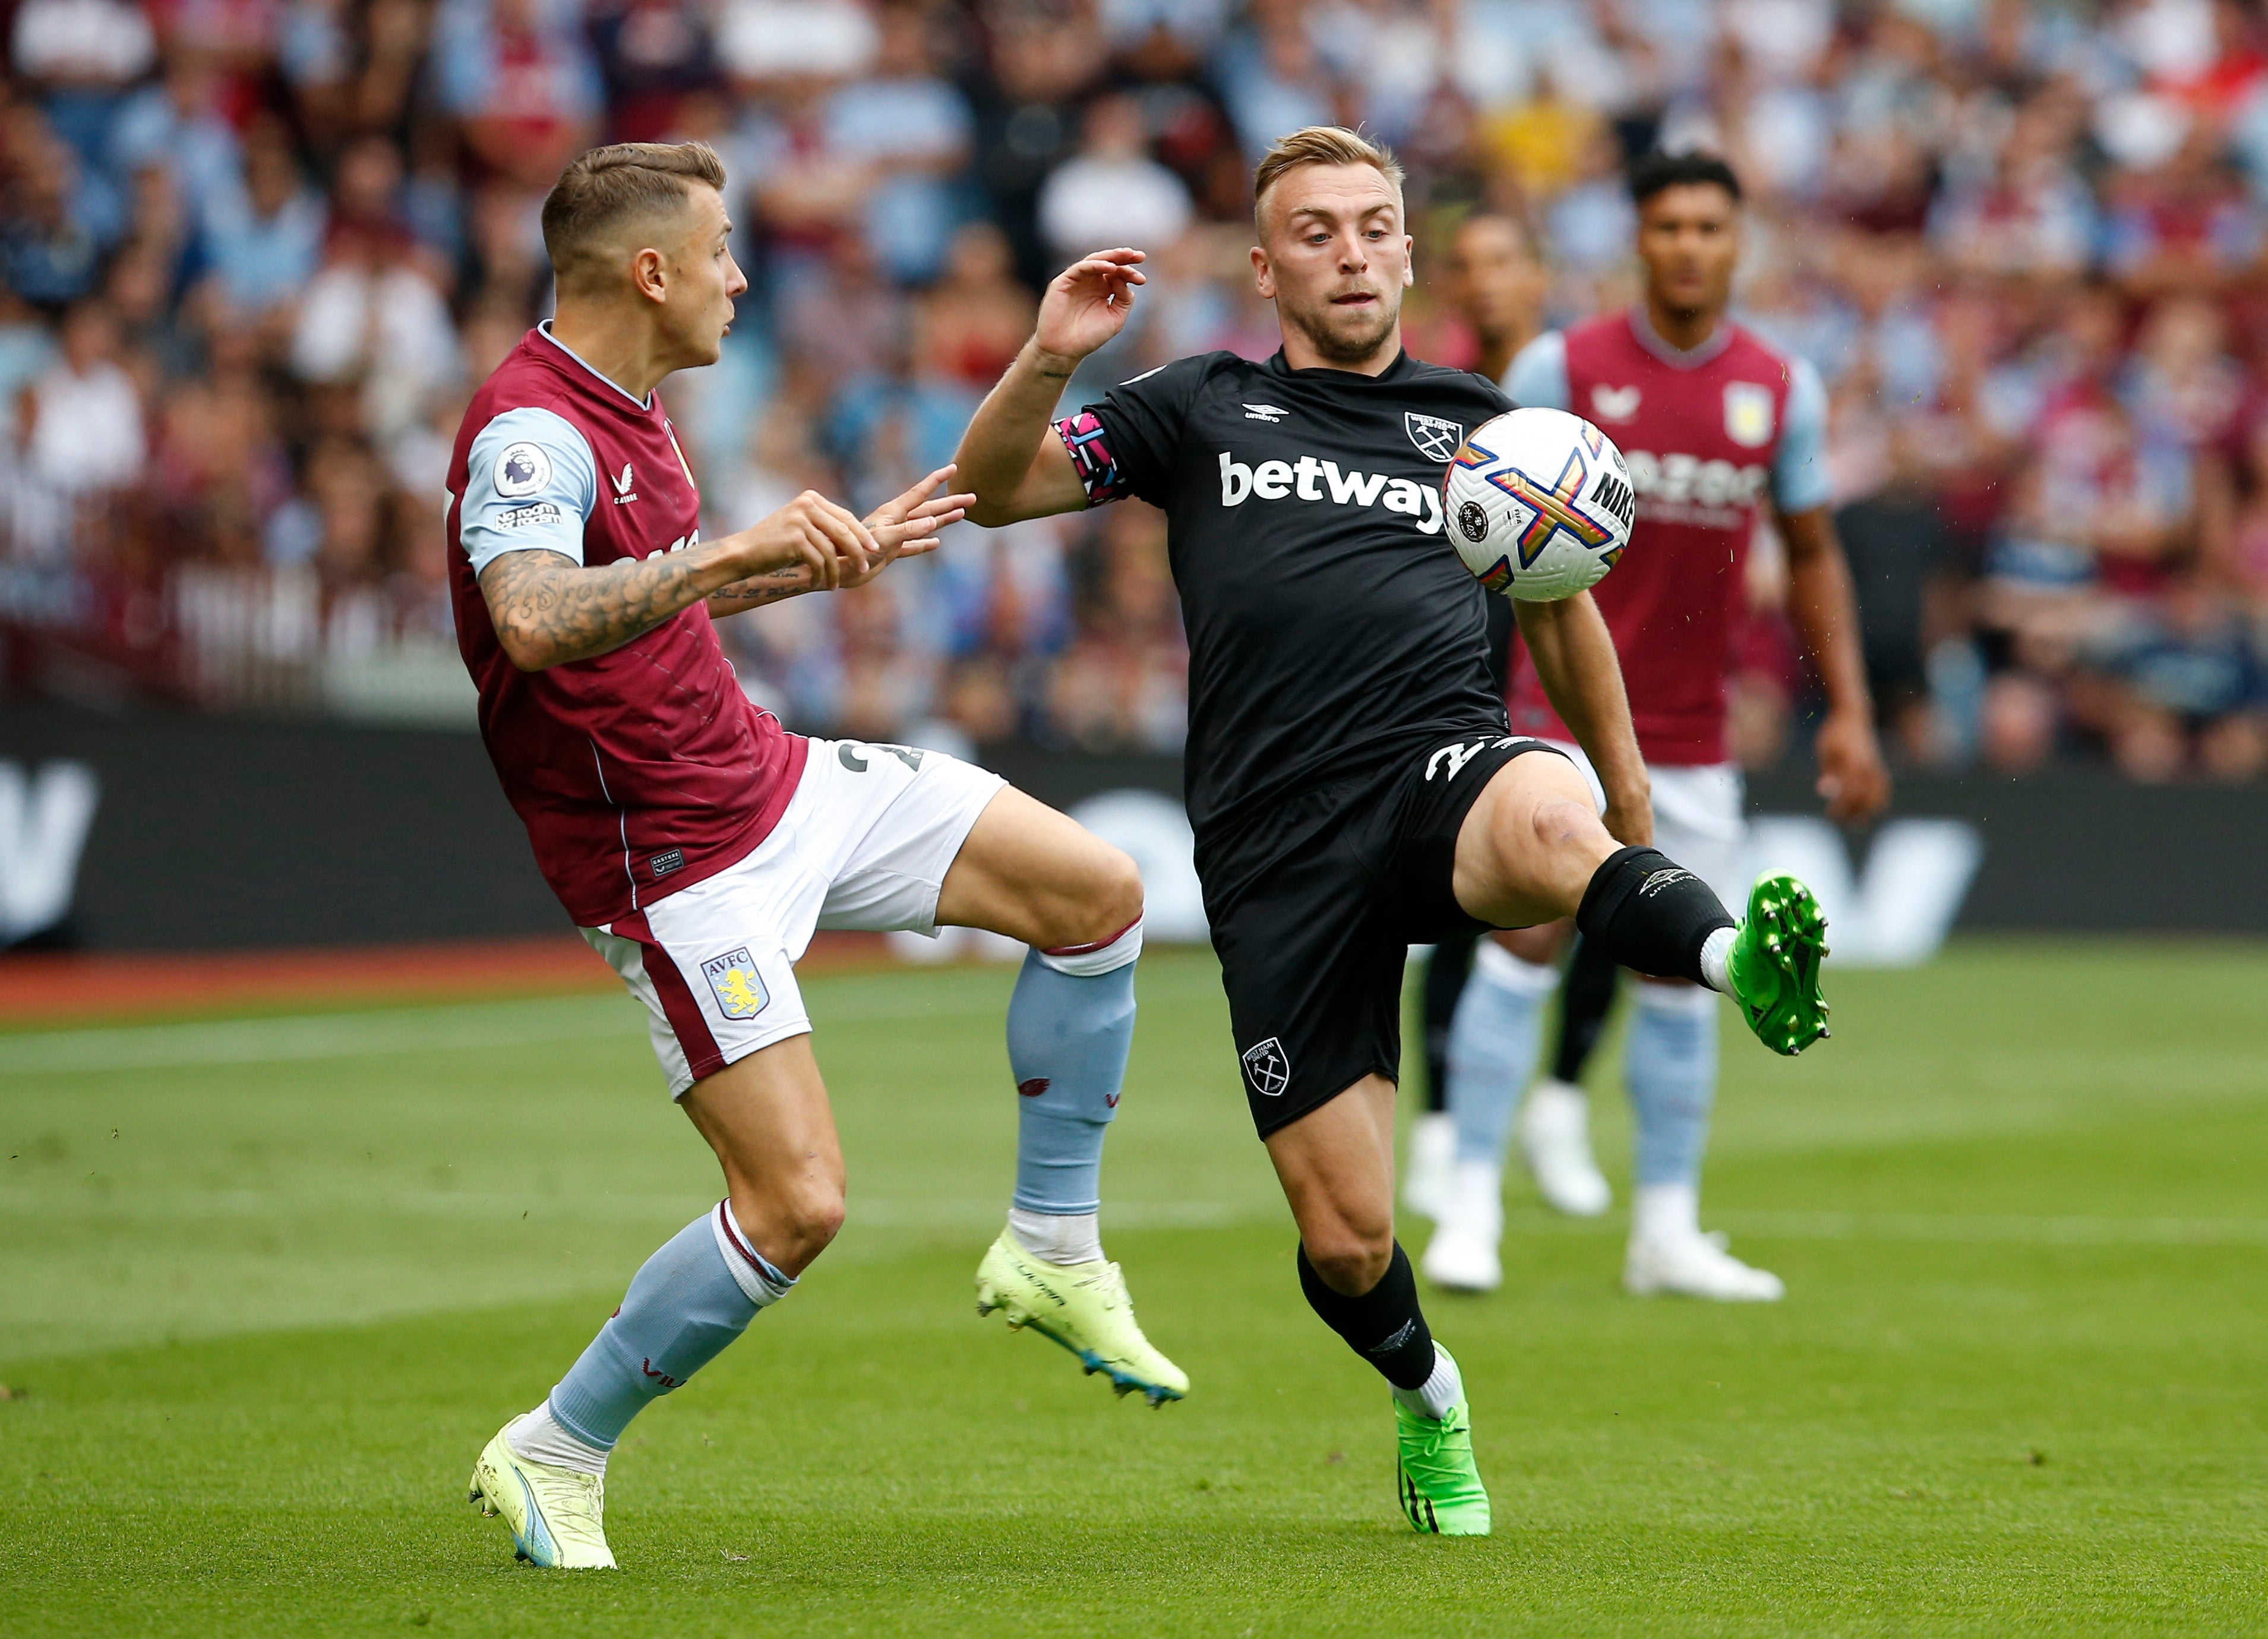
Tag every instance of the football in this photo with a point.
(1540, 505)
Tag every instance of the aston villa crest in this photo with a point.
(1747, 414)
(733, 980)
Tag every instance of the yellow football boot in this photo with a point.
(557, 1515)
(1084, 1308)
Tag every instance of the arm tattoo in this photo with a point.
(758, 590)
(549, 607)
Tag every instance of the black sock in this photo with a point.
(1384, 1325)
(1585, 997)
(1649, 915)
(1447, 969)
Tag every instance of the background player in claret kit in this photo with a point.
(1349, 778)
(1493, 279)
(1716, 425)
(698, 845)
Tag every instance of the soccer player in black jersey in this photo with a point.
(1350, 778)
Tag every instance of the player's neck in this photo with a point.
(1686, 329)
(1499, 348)
(1301, 353)
(629, 355)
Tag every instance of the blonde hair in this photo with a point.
(1319, 145)
(608, 187)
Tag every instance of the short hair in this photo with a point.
(610, 186)
(1530, 242)
(1657, 171)
(1319, 144)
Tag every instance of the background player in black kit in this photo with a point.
(1351, 778)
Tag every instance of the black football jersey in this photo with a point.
(1331, 625)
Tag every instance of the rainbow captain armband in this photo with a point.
(1100, 474)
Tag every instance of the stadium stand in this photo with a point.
(257, 253)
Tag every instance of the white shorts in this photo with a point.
(864, 845)
(1698, 818)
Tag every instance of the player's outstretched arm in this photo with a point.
(1575, 657)
(1008, 456)
(1851, 775)
(549, 609)
(903, 526)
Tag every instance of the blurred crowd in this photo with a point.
(258, 251)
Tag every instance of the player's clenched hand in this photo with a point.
(810, 535)
(1851, 775)
(906, 526)
(1085, 305)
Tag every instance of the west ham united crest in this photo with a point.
(1268, 1070)
(1436, 439)
(733, 980)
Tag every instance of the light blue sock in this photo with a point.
(1669, 1064)
(685, 1304)
(1493, 1041)
(1069, 1030)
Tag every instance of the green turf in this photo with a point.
(266, 1286)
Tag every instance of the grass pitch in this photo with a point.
(266, 1284)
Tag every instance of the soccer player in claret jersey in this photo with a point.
(698, 845)
(1351, 779)
(1716, 425)
(1497, 282)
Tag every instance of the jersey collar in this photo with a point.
(543, 329)
(1403, 364)
(1677, 357)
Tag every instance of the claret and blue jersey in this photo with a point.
(645, 769)
(1711, 436)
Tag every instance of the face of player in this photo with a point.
(700, 281)
(1494, 278)
(1335, 261)
(1689, 237)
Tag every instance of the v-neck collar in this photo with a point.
(543, 329)
(1678, 357)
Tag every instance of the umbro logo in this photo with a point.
(1402, 1335)
(1269, 413)
(624, 492)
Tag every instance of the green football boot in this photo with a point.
(557, 1515)
(1774, 964)
(1440, 1483)
(1084, 1308)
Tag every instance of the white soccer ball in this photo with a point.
(1540, 505)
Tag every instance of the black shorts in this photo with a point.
(1313, 918)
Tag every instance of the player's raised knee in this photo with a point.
(1108, 902)
(1566, 823)
(1351, 1266)
(792, 1223)
(1351, 1257)
(1119, 892)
